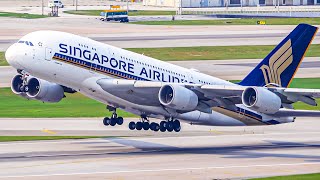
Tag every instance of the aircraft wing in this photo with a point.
(296, 113)
(146, 93)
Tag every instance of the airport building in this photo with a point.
(223, 3)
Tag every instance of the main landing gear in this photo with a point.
(169, 125)
(114, 119)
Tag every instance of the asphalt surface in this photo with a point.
(216, 152)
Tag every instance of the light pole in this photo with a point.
(128, 7)
(76, 5)
(42, 8)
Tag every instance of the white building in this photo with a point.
(222, 3)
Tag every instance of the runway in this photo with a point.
(216, 152)
(142, 36)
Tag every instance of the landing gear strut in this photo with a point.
(114, 119)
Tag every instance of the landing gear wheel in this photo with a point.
(176, 126)
(106, 121)
(156, 127)
(163, 125)
(113, 121)
(139, 126)
(119, 120)
(132, 125)
(153, 126)
(146, 126)
(169, 126)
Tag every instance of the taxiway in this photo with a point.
(216, 152)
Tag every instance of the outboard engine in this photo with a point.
(261, 99)
(17, 86)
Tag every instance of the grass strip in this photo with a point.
(131, 13)
(22, 15)
(293, 177)
(33, 138)
(74, 105)
(246, 21)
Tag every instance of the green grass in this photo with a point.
(21, 15)
(215, 52)
(3, 61)
(77, 105)
(292, 177)
(131, 13)
(33, 138)
(269, 21)
(74, 105)
(206, 52)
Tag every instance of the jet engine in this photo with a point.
(178, 97)
(17, 85)
(261, 100)
(44, 91)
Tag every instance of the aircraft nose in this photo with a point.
(10, 55)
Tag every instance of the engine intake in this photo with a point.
(178, 97)
(16, 84)
(261, 100)
(44, 91)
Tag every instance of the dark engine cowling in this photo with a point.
(261, 100)
(178, 97)
(44, 91)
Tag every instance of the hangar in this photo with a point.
(223, 3)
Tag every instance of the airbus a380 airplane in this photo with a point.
(52, 63)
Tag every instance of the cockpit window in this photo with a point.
(28, 43)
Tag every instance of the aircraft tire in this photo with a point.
(132, 125)
(146, 126)
(113, 121)
(156, 127)
(119, 120)
(139, 126)
(106, 121)
(169, 126)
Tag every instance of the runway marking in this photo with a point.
(145, 139)
(161, 170)
(48, 131)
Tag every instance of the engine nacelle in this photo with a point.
(261, 100)
(17, 86)
(178, 97)
(44, 91)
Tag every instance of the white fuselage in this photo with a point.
(78, 62)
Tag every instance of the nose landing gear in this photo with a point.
(114, 119)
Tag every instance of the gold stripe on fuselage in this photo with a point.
(247, 119)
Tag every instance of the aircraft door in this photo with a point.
(48, 55)
(190, 78)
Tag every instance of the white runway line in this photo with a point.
(146, 139)
(161, 170)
